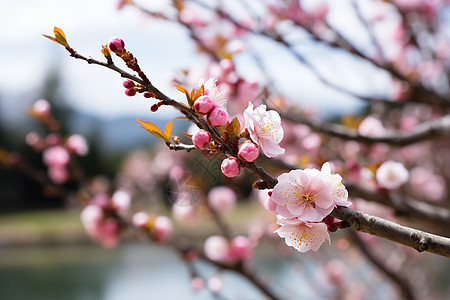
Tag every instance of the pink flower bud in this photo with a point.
(221, 199)
(248, 151)
(56, 156)
(203, 105)
(77, 144)
(218, 117)
(115, 44)
(163, 228)
(230, 167)
(241, 248)
(201, 139)
(141, 219)
(42, 108)
(130, 92)
(128, 84)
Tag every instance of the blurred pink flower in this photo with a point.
(391, 175)
(58, 174)
(121, 201)
(216, 248)
(222, 199)
(265, 129)
(56, 156)
(141, 219)
(163, 228)
(78, 144)
(371, 126)
(241, 248)
(303, 236)
(305, 194)
(42, 108)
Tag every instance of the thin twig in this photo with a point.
(404, 285)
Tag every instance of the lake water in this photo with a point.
(143, 271)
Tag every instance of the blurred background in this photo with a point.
(44, 251)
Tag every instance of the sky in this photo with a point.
(161, 47)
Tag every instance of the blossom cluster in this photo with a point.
(302, 199)
(261, 126)
(57, 150)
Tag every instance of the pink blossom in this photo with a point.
(121, 201)
(163, 228)
(212, 90)
(230, 167)
(182, 211)
(215, 284)
(34, 140)
(115, 44)
(203, 104)
(218, 117)
(91, 216)
(428, 184)
(42, 108)
(141, 219)
(201, 139)
(77, 144)
(197, 283)
(222, 199)
(216, 248)
(303, 236)
(265, 129)
(240, 248)
(371, 126)
(58, 174)
(391, 175)
(340, 194)
(109, 233)
(248, 151)
(305, 194)
(56, 156)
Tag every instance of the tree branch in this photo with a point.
(403, 284)
(419, 240)
(429, 130)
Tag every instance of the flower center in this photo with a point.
(308, 198)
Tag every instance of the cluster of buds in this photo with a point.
(131, 88)
(159, 227)
(101, 220)
(57, 151)
(218, 248)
